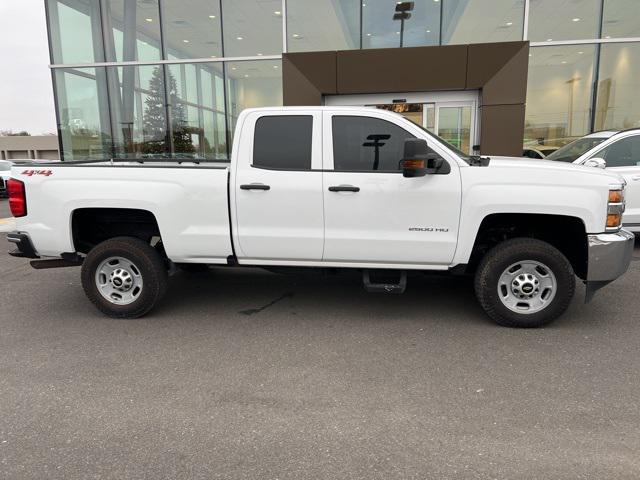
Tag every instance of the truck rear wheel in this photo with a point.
(124, 277)
(524, 282)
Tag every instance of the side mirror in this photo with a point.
(596, 162)
(418, 159)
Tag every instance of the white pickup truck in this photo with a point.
(334, 188)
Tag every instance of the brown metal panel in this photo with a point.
(307, 76)
(318, 67)
(402, 69)
(486, 59)
(508, 84)
(502, 130)
(296, 88)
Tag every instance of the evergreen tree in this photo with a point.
(154, 118)
(154, 122)
(182, 143)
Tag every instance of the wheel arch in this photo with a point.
(91, 226)
(564, 232)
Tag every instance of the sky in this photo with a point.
(26, 94)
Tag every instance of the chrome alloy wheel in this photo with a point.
(527, 287)
(119, 280)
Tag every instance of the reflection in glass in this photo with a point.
(133, 31)
(367, 144)
(430, 117)
(197, 111)
(252, 27)
(338, 30)
(476, 21)
(138, 111)
(558, 94)
(252, 84)
(454, 126)
(380, 30)
(83, 113)
(410, 111)
(563, 19)
(618, 98)
(75, 32)
(620, 18)
(163, 111)
(191, 29)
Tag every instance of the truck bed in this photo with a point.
(188, 199)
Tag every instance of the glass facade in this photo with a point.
(381, 30)
(559, 94)
(136, 78)
(474, 21)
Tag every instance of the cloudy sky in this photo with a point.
(26, 97)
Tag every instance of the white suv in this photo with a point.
(617, 151)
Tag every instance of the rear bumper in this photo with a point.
(609, 257)
(24, 247)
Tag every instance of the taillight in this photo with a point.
(17, 197)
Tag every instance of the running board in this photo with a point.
(384, 283)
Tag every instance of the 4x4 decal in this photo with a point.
(31, 173)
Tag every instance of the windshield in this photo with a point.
(573, 150)
(5, 166)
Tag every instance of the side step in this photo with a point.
(384, 281)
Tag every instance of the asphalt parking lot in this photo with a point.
(248, 374)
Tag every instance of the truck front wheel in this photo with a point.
(524, 282)
(124, 277)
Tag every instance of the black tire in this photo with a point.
(505, 254)
(147, 260)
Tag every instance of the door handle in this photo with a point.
(344, 188)
(635, 177)
(255, 186)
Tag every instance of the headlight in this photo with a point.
(615, 207)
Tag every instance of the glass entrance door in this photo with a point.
(454, 124)
(450, 115)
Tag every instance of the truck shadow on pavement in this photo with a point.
(258, 295)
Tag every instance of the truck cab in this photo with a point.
(327, 186)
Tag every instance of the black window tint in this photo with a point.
(283, 142)
(367, 144)
(623, 153)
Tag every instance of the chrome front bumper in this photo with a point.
(609, 257)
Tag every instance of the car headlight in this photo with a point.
(615, 208)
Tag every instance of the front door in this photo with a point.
(277, 187)
(375, 215)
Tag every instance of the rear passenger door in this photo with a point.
(278, 187)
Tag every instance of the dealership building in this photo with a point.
(168, 78)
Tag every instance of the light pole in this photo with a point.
(402, 14)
